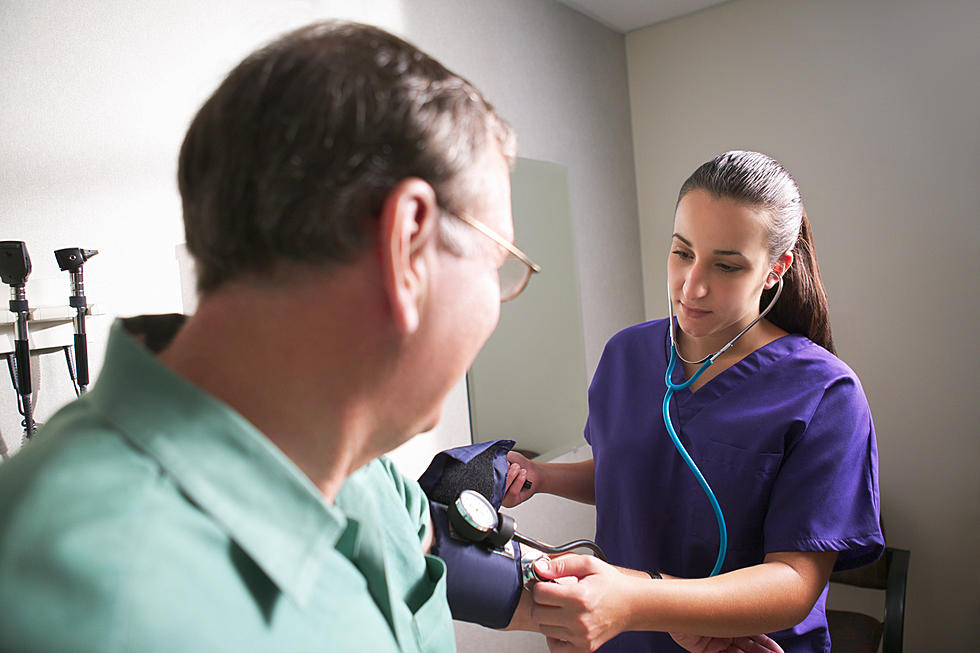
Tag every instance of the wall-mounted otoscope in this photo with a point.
(71, 260)
(15, 267)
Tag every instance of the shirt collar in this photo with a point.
(221, 462)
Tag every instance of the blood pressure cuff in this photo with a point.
(481, 467)
(483, 586)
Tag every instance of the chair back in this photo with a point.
(854, 632)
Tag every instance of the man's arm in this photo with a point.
(522, 619)
(429, 538)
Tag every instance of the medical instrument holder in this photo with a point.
(71, 260)
(15, 267)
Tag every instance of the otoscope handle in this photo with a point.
(22, 354)
(81, 359)
(22, 348)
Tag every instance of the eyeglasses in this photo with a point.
(517, 268)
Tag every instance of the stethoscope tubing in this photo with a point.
(672, 387)
(675, 439)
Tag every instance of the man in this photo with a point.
(220, 488)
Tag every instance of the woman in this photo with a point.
(778, 425)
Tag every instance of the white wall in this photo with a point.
(875, 108)
(97, 95)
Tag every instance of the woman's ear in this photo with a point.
(779, 268)
(408, 233)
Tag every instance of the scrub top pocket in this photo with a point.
(742, 481)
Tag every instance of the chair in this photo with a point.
(855, 632)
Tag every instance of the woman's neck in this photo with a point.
(692, 348)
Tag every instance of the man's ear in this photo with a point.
(779, 268)
(408, 229)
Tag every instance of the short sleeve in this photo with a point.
(416, 503)
(826, 494)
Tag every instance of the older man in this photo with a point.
(223, 487)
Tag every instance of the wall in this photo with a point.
(97, 95)
(875, 108)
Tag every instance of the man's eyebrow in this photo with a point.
(720, 252)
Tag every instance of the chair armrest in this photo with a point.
(898, 568)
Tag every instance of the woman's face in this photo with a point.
(718, 265)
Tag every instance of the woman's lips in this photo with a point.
(693, 313)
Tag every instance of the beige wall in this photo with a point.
(874, 105)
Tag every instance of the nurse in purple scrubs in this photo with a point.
(778, 425)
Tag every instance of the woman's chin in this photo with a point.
(694, 328)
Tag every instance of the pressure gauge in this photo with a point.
(475, 519)
(473, 516)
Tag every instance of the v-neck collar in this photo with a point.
(732, 377)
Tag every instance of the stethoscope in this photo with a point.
(672, 387)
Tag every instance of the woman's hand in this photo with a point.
(589, 602)
(520, 473)
(587, 605)
(700, 644)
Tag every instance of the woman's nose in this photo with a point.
(695, 284)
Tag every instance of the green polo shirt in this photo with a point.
(149, 516)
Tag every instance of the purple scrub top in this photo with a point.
(785, 440)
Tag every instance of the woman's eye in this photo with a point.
(728, 268)
(681, 253)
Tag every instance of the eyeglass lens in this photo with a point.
(513, 277)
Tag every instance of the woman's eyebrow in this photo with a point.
(720, 252)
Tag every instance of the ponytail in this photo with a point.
(803, 306)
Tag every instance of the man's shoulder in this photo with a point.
(75, 457)
(93, 532)
(381, 478)
(81, 498)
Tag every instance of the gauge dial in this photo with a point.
(476, 510)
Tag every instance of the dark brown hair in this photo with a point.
(292, 156)
(761, 182)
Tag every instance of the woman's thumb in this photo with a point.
(575, 565)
